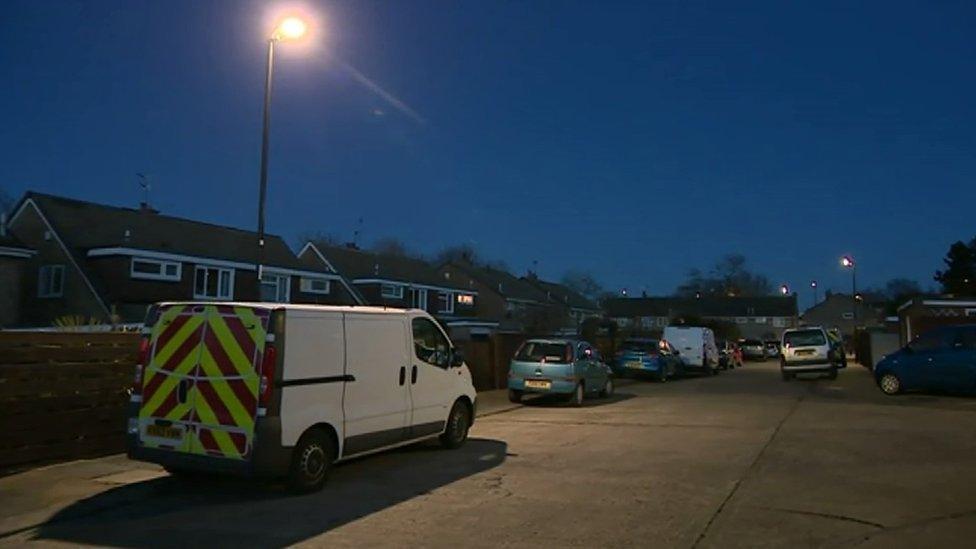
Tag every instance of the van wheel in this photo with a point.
(607, 391)
(514, 396)
(310, 462)
(576, 397)
(457, 427)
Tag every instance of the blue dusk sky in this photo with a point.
(634, 140)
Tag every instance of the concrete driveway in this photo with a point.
(739, 460)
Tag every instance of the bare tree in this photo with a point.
(728, 277)
(582, 283)
(391, 246)
(462, 253)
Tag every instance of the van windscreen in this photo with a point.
(804, 338)
(542, 351)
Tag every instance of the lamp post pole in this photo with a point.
(263, 186)
(816, 297)
(848, 262)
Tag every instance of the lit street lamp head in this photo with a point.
(847, 261)
(290, 28)
(784, 289)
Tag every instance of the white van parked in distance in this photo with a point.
(696, 347)
(286, 390)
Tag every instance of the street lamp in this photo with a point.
(784, 289)
(813, 284)
(289, 28)
(848, 263)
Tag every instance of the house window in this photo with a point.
(465, 299)
(316, 285)
(418, 298)
(391, 291)
(759, 320)
(847, 316)
(445, 302)
(50, 281)
(153, 269)
(780, 322)
(213, 283)
(741, 320)
(662, 321)
(275, 288)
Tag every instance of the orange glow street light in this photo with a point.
(289, 28)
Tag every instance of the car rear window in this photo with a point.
(538, 351)
(642, 346)
(803, 338)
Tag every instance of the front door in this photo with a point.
(432, 380)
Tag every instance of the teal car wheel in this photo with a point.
(577, 396)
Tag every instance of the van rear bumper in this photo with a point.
(268, 457)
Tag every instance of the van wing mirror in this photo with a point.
(457, 358)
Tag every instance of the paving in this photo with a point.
(742, 459)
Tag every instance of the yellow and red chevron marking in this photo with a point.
(218, 349)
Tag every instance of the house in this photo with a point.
(108, 263)
(577, 307)
(514, 303)
(754, 317)
(14, 259)
(394, 281)
(843, 312)
(921, 314)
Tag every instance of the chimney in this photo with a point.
(3, 224)
(144, 207)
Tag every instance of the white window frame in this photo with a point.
(418, 298)
(307, 287)
(741, 320)
(391, 291)
(780, 322)
(48, 291)
(162, 270)
(269, 278)
(445, 303)
(760, 320)
(220, 271)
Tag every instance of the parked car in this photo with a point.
(696, 346)
(943, 359)
(558, 366)
(772, 349)
(286, 390)
(728, 356)
(808, 350)
(649, 357)
(752, 349)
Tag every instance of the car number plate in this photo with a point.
(537, 384)
(635, 364)
(164, 431)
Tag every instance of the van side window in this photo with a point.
(429, 343)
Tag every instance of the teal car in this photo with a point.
(558, 366)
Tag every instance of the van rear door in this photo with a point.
(200, 385)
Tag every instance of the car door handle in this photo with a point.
(403, 374)
(413, 375)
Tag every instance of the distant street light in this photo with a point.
(848, 263)
(784, 289)
(289, 28)
(813, 284)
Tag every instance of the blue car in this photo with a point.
(655, 358)
(558, 366)
(943, 359)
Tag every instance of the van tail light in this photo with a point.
(141, 358)
(267, 375)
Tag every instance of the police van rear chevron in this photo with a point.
(200, 369)
(285, 390)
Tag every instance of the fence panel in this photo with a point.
(63, 395)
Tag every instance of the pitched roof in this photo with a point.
(86, 225)
(705, 306)
(503, 283)
(356, 264)
(563, 294)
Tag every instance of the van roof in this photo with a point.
(299, 307)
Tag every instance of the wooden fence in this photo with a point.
(63, 395)
(488, 359)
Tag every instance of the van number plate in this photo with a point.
(538, 384)
(160, 431)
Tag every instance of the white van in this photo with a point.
(286, 390)
(696, 347)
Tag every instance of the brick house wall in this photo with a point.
(12, 274)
